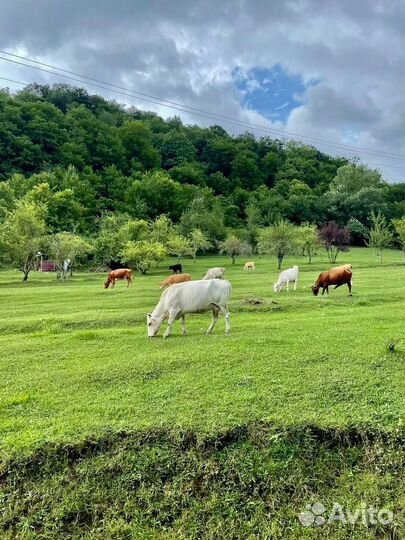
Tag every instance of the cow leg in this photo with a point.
(288, 288)
(113, 283)
(183, 326)
(227, 317)
(350, 288)
(172, 318)
(295, 284)
(215, 313)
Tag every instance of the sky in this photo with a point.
(325, 72)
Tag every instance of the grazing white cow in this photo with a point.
(249, 266)
(291, 274)
(215, 273)
(190, 297)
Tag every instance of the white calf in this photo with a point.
(215, 273)
(249, 266)
(291, 274)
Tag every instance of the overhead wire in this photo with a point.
(369, 163)
(185, 108)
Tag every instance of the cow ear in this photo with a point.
(148, 314)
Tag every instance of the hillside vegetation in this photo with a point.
(83, 156)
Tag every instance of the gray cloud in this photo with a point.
(186, 52)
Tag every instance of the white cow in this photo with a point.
(249, 266)
(215, 273)
(190, 297)
(291, 274)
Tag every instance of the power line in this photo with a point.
(369, 162)
(211, 114)
(208, 115)
(13, 81)
(185, 108)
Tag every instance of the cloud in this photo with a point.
(188, 52)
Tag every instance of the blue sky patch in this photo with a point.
(273, 92)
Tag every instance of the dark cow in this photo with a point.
(176, 268)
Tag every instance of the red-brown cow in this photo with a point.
(176, 278)
(120, 273)
(341, 275)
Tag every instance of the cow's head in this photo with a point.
(153, 324)
(277, 287)
(315, 290)
(107, 283)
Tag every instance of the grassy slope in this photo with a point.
(76, 364)
(75, 358)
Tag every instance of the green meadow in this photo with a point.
(107, 434)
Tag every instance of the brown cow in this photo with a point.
(120, 273)
(176, 278)
(338, 276)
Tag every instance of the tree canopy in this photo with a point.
(94, 165)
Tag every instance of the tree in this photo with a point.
(399, 226)
(142, 255)
(245, 170)
(178, 245)
(280, 239)
(206, 215)
(161, 229)
(65, 248)
(198, 241)
(139, 153)
(110, 239)
(22, 234)
(380, 236)
(358, 232)
(253, 222)
(308, 240)
(188, 173)
(335, 239)
(234, 247)
(176, 149)
(114, 232)
(352, 178)
(160, 195)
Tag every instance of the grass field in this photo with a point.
(84, 393)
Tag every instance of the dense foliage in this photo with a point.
(78, 159)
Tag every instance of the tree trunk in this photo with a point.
(333, 253)
(280, 260)
(233, 259)
(25, 269)
(309, 259)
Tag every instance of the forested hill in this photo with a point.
(85, 156)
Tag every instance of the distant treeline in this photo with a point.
(84, 156)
